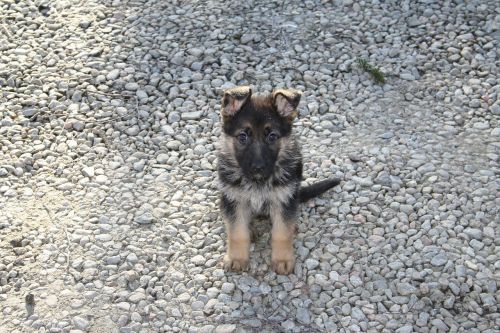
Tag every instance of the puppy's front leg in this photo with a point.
(282, 234)
(238, 238)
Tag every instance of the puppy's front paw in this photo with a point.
(235, 264)
(283, 266)
(282, 255)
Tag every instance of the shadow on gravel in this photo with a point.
(108, 129)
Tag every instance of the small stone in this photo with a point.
(362, 200)
(176, 313)
(81, 323)
(288, 325)
(407, 76)
(195, 51)
(30, 112)
(141, 94)
(78, 125)
(136, 297)
(167, 129)
(357, 314)
(96, 51)
(440, 325)
(356, 281)
(132, 86)
(197, 305)
(113, 260)
(136, 317)
(374, 209)
(173, 117)
(414, 22)
(51, 300)
(162, 158)
(225, 328)
(439, 260)
(184, 297)
(88, 172)
(194, 115)
(406, 289)
(408, 328)
(488, 300)
(346, 309)
(311, 263)
(354, 157)
(476, 245)
(198, 260)
(197, 66)
(448, 302)
(133, 130)
(113, 74)
(145, 218)
(123, 306)
(227, 287)
(207, 329)
(84, 24)
(132, 258)
(173, 144)
(246, 38)
(475, 103)
(101, 179)
(495, 109)
(482, 125)
(303, 316)
(471, 265)
(139, 165)
(474, 233)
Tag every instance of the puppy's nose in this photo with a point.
(258, 166)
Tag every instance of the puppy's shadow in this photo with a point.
(260, 231)
(260, 236)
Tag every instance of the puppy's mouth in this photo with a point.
(259, 177)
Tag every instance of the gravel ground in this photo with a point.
(108, 198)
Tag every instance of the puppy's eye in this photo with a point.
(272, 137)
(243, 137)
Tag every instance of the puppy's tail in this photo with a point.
(316, 189)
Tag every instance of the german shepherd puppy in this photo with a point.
(260, 170)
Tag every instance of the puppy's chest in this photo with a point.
(259, 200)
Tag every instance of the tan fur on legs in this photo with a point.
(282, 257)
(238, 245)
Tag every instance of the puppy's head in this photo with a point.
(256, 127)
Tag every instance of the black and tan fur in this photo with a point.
(260, 170)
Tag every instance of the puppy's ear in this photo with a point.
(233, 100)
(286, 102)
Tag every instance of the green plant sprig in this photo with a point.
(375, 72)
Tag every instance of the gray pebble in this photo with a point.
(144, 218)
(474, 233)
(225, 328)
(439, 260)
(113, 74)
(194, 115)
(408, 328)
(406, 289)
(132, 86)
(88, 172)
(227, 288)
(311, 263)
(81, 323)
(303, 316)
